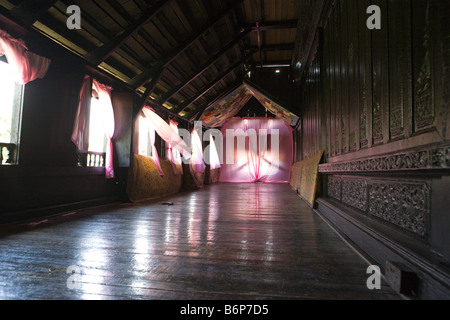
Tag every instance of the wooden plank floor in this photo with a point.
(229, 241)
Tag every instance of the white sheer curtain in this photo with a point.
(164, 130)
(172, 154)
(105, 102)
(197, 161)
(214, 161)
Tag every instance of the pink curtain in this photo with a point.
(197, 162)
(104, 96)
(172, 154)
(27, 66)
(167, 133)
(257, 150)
(80, 133)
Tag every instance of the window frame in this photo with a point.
(93, 159)
(13, 146)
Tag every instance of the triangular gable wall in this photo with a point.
(219, 113)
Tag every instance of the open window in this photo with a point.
(11, 95)
(146, 136)
(97, 137)
(94, 126)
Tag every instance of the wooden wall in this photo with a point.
(377, 102)
(47, 179)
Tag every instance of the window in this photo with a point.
(10, 114)
(146, 133)
(95, 157)
(97, 136)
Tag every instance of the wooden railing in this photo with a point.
(7, 153)
(91, 159)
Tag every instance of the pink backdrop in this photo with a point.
(259, 159)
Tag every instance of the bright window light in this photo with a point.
(7, 92)
(144, 137)
(97, 136)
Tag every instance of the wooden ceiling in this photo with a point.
(179, 54)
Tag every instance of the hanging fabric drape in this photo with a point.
(197, 161)
(80, 133)
(27, 66)
(104, 96)
(173, 154)
(168, 134)
(262, 150)
(214, 161)
(252, 152)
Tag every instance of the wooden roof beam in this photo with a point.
(30, 11)
(146, 75)
(100, 54)
(149, 90)
(195, 115)
(273, 25)
(222, 76)
(258, 30)
(272, 47)
(203, 68)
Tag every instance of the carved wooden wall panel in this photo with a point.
(380, 78)
(383, 99)
(375, 86)
(403, 203)
(343, 76)
(353, 76)
(354, 193)
(335, 100)
(400, 73)
(365, 76)
(424, 111)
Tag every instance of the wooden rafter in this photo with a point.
(100, 54)
(29, 11)
(150, 88)
(222, 76)
(273, 25)
(258, 30)
(272, 47)
(148, 74)
(195, 115)
(203, 68)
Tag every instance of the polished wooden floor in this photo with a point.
(229, 241)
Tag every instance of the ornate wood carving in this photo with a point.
(344, 70)
(424, 112)
(334, 187)
(353, 80)
(380, 75)
(435, 157)
(365, 78)
(400, 69)
(404, 204)
(354, 193)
